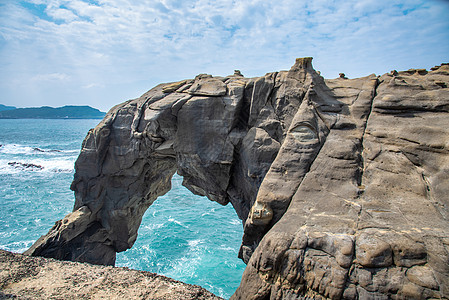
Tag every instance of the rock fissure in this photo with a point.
(362, 160)
(340, 183)
(361, 186)
(410, 141)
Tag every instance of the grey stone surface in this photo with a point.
(341, 184)
(24, 277)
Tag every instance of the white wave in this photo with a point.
(56, 165)
(226, 248)
(15, 149)
(184, 267)
(59, 165)
(235, 222)
(170, 219)
(17, 247)
(211, 212)
(195, 243)
(154, 226)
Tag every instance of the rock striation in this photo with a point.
(24, 277)
(341, 184)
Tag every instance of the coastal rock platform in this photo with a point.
(342, 185)
(25, 277)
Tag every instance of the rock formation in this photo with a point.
(24, 277)
(342, 184)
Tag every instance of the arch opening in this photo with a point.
(191, 239)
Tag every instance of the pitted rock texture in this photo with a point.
(342, 184)
(24, 277)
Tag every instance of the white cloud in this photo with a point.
(50, 77)
(61, 14)
(92, 85)
(129, 46)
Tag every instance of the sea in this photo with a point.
(182, 236)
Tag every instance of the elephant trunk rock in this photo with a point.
(341, 184)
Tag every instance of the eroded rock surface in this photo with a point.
(24, 277)
(342, 185)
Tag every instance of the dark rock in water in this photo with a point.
(40, 150)
(24, 277)
(19, 165)
(342, 184)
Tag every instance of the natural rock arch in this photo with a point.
(340, 193)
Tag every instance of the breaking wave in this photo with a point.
(17, 158)
(15, 149)
(37, 165)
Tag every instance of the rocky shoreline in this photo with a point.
(25, 277)
(341, 184)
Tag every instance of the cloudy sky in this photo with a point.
(103, 52)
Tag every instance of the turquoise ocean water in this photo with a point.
(182, 236)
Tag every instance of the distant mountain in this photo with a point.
(4, 107)
(46, 112)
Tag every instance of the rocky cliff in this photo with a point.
(342, 184)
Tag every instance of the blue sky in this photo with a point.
(103, 52)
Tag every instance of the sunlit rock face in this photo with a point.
(341, 184)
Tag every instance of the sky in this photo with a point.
(103, 52)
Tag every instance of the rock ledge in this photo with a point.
(25, 277)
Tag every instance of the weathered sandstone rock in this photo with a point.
(24, 277)
(342, 184)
